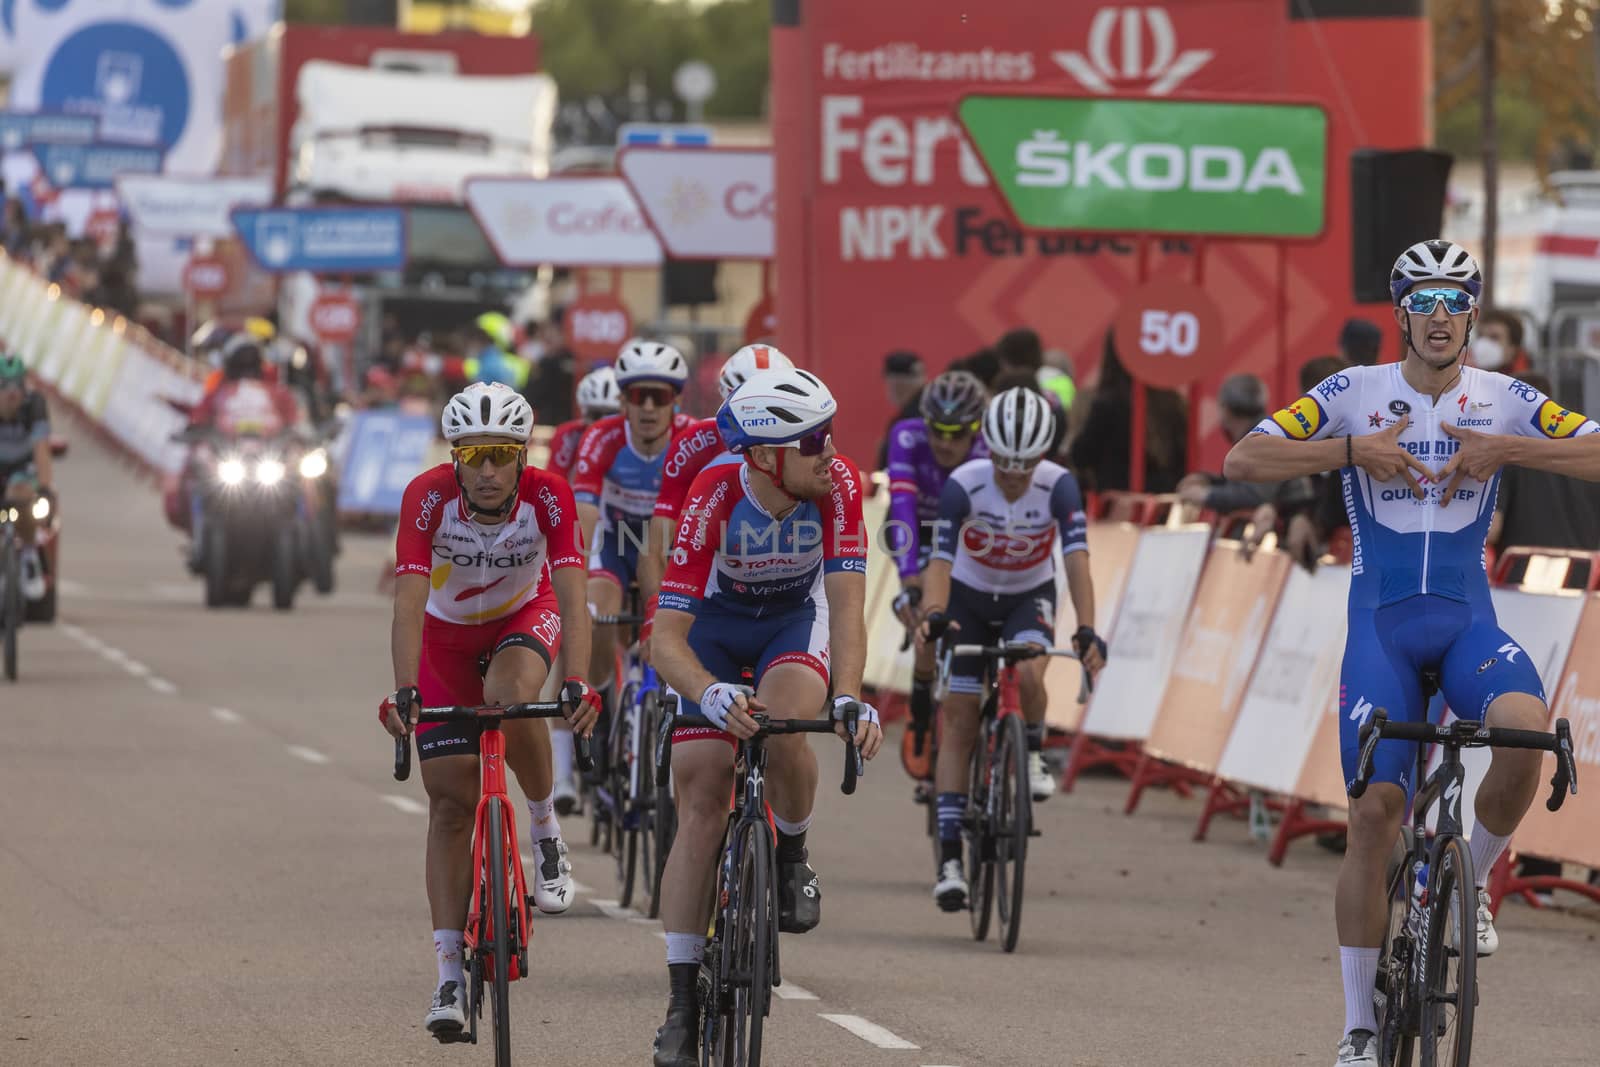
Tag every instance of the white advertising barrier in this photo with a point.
(1150, 618)
(887, 667)
(568, 222)
(188, 207)
(1295, 680)
(137, 413)
(705, 203)
(1543, 625)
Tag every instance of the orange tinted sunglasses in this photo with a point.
(477, 455)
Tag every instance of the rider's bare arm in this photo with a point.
(1080, 587)
(43, 463)
(571, 585)
(674, 659)
(847, 629)
(1577, 457)
(936, 585)
(1264, 457)
(405, 635)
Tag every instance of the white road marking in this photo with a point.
(310, 755)
(161, 685)
(135, 668)
(870, 1032)
(789, 991)
(405, 804)
(226, 715)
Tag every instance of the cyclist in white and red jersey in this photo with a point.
(768, 571)
(489, 579)
(693, 448)
(992, 577)
(597, 398)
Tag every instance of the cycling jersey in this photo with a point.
(248, 406)
(692, 449)
(916, 483)
(21, 433)
(1419, 594)
(623, 484)
(564, 446)
(1004, 546)
(481, 573)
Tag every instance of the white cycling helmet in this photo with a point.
(747, 361)
(774, 407)
(490, 408)
(1019, 425)
(1435, 261)
(598, 393)
(650, 361)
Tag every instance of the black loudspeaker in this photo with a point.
(1396, 200)
(690, 281)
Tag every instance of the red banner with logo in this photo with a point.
(890, 236)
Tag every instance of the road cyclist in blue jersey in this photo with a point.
(1419, 445)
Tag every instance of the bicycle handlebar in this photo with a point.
(488, 714)
(623, 619)
(1470, 733)
(1011, 652)
(853, 767)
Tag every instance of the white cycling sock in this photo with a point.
(1359, 966)
(561, 753)
(790, 829)
(543, 816)
(447, 947)
(1486, 849)
(685, 948)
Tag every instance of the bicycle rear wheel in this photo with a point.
(624, 819)
(1450, 974)
(644, 803)
(979, 833)
(754, 928)
(1397, 1024)
(11, 603)
(663, 828)
(1014, 822)
(499, 919)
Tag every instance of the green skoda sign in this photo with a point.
(1155, 166)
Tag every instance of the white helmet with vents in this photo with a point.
(598, 393)
(1019, 425)
(775, 407)
(650, 361)
(489, 409)
(1435, 261)
(747, 361)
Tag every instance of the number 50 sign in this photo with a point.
(1169, 333)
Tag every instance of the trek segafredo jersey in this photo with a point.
(1403, 546)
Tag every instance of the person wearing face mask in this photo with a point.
(1242, 403)
(1498, 344)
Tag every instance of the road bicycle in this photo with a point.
(740, 967)
(1427, 991)
(998, 820)
(495, 939)
(636, 808)
(10, 588)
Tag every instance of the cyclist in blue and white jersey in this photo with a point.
(1418, 445)
(992, 577)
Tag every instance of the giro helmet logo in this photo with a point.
(1132, 48)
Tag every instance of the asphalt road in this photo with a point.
(205, 860)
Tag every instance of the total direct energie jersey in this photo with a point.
(1403, 546)
(1004, 546)
(478, 572)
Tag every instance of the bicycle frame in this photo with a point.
(479, 928)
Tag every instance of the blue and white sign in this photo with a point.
(664, 134)
(94, 166)
(20, 129)
(324, 240)
(148, 71)
(387, 449)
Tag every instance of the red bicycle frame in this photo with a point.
(492, 760)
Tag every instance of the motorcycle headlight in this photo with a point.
(231, 471)
(270, 471)
(314, 464)
(41, 508)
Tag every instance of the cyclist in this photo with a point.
(1419, 597)
(992, 576)
(489, 581)
(616, 481)
(922, 453)
(768, 571)
(25, 462)
(694, 448)
(597, 398)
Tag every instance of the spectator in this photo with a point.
(1498, 346)
(903, 378)
(1100, 452)
(1243, 403)
(982, 364)
(1055, 376)
(1360, 342)
(14, 228)
(554, 377)
(1020, 349)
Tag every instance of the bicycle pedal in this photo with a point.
(1035, 833)
(453, 1037)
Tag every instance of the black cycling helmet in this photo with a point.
(12, 370)
(242, 359)
(954, 399)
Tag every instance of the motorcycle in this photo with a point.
(256, 515)
(46, 538)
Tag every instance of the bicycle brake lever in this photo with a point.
(1566, 776)
(402, 758)
(852, 755)
(1371, 733)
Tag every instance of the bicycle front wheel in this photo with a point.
(11, 603)
(1014, 822)
(754, 927)
(1397, 1023)
(499, 919)
(979, 833)
(1450, 973)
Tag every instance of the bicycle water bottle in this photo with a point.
(1419, 897)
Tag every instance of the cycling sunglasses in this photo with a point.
(477, 455)
(639, 395)
(1014, 466)
(1423, 301)
(953, 431)
(813, 443)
